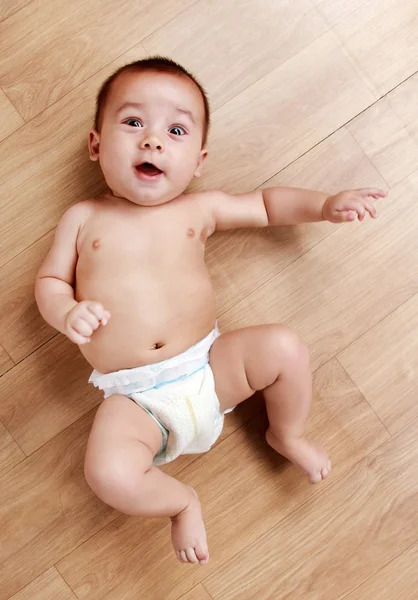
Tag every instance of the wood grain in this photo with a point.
(334, 541)
(6, 362)
(22, 329)
(384, 365)
(228, 32)
(9, 7)
(10, 119)
(398, 579)
(10, 453)
(45, 393)
(48, 586)
(381, 39)
(47, 509)
(42, 64)
(120, 562)
(336, 10)
(387, 141)
(197, 593)
(284, 115)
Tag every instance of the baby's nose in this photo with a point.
(152, 143)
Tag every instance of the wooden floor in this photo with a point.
(309, 93)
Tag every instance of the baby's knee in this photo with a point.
(113, 481)
(289, 344)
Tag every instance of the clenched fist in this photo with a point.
(83, 320)
(347, 206)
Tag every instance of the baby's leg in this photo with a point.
(271, 358)
(118, 467)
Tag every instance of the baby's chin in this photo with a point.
(152, 197)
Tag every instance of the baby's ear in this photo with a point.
(201, 161)
(94, 144)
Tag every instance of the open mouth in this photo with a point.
(148, 170)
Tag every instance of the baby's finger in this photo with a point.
(360, 210)
(371, 209)
(90, 319)
(76, 338)
(373, 192)
(96, 309)
(105, 319)
(348, 215)
(82, 327)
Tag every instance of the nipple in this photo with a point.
(96, 244)
(191, 233)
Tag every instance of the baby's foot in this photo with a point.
(188, 533)
(307, 455)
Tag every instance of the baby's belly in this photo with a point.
(147, 325)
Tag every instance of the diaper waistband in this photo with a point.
(141, 379)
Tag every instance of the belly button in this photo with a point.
(96, 244)
(158, 345)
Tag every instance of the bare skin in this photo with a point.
(126, 281)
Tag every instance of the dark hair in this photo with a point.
(154, 63)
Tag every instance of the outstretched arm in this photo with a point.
(291, 206)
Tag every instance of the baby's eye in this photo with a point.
(177, 130)
(133, 123)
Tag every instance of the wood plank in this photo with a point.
(384, 364)
(47, 509)
(242, 260)
(398, 579)
(45, 393)
(386, 139)
(228, 32)
(197, 593)
(381, 39)
(10, 119)
(9, 7)
(245, 489)
(347, 283)
(42, 64)
(10, 453)
(48, 586)
(44, 167)
(403, 101)
(6, 362)
(337, 539)
(22, 329)
(336, 10)
(288, 116)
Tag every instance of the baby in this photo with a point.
(126, 280)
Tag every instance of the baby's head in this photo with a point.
(150, 131)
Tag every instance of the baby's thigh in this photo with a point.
(122, 443)
(248, 360)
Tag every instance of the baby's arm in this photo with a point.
(290, 206)
(54, 288)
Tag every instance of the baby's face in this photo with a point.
(149, 146)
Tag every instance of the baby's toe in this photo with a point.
(326, 470)
(202, 553)
(315, 476)
(191, 555)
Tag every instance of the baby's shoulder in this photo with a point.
(79, 213)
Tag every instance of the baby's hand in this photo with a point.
(83, 320)
(346, 206)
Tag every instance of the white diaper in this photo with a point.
(179, 394)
